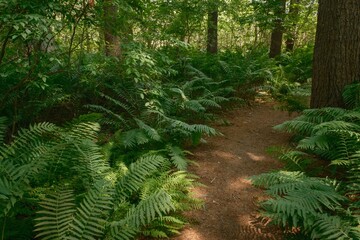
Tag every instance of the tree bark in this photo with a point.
(277, 33)
(337, 51)
(212, 37)
(293, 17)
(112, 40)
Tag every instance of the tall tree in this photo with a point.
(212, 28)
(278, 29)
(337, 51)
(293, 17)
(112, 40)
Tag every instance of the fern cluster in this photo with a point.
(322, 208)
(86, 198)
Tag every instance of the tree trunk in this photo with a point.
(337, 51)
(293, 17)
(277, 33)
(212, 37)
(112, 40)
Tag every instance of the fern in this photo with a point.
(118, 119)
(136, 175)
(56, 216)
(151, 132)
(21, 160)
(302, 128)
(177, 157)
(333, 227)
(156, 205)
(89, 221)
(3, 127)
(297, 199)
(295, 160)
(315, 204)
(133, 138)
(351, 95)
(60, 219)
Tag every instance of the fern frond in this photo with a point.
(333, 227)
(151, 132)
(267, 180)
(303, 128)
(91, 163)
(350, 116)
(295, 160)
(133, 138)
(27, 141)
(351, 95)
(219, 99)
(136, 175)
(321, 115)
(118, 104)
(336, 125)
(197, 72)
(3, 127)
(156, 205)
(194, 105)
(21, 160)
(322, 142)
(57, 214)
(177, 157)
(90, 218)
(82, 131)
(211, 103)
(119, 119)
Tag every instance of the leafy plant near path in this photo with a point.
(87, 199)
(322, 207)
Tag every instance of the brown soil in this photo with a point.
(224, 165)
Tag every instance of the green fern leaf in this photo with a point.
(57, 214)
(151, 132)
(177, 157)
(156, 205)
(133, 138)
(137, 174)
(303, 128)
(333, 227)
(90, 219)
(3, 127)
(321, 115)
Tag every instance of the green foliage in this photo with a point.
(57, 215)
(306, 202)
(351, 95)
(322, 208)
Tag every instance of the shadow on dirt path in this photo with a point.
(224, 164)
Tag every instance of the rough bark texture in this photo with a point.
(277, 33)
(112, 41)
(212, 37)
(293, 16)
(337, 51)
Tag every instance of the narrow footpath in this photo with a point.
(224, 165)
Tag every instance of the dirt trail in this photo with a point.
(224, 164)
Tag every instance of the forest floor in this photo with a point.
(224, 165)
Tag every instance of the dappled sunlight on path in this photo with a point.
(224, 166)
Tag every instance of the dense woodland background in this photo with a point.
(99, 99)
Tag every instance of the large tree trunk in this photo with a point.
(337, 51)
(277, 33)
(293, 17)
(212, 37)
(112, 40)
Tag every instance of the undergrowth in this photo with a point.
(318, 193)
